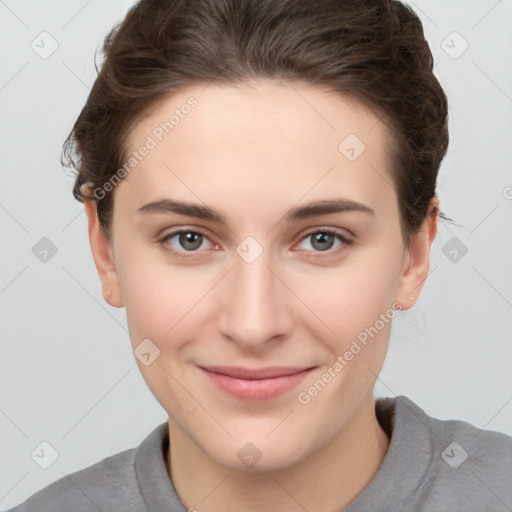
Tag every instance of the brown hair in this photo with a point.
(372, 50)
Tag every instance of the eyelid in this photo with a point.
(162, 239)
(170, 232)
(327, 229)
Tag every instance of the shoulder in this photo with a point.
(460, 441)
(105, 485)
(469, 465)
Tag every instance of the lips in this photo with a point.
(255, 383)
(254, 374)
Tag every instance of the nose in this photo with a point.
(255, 305)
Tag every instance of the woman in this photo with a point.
(259, 180)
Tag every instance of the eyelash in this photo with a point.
(190, 254)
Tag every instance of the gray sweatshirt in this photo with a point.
(431, 465)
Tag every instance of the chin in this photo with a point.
(258, 456)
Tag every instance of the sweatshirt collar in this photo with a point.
(404, 468)
(408, 461)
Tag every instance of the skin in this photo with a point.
(253, 152)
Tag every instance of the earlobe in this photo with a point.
(416, 263)
(101, 248)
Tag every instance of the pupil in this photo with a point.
(322, 238)
(190, 238)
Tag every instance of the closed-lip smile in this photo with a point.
(255, 383)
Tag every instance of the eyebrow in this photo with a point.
(313, 209)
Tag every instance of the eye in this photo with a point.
(322, 240)
(185, 241)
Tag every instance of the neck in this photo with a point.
(328, 480)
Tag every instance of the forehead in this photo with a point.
(281, 140)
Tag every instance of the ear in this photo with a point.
(417, 259)
(101, 248)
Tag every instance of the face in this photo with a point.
(256, 247)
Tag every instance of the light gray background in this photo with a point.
(68, 374)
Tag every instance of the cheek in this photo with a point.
(159, 302)
(166, 303)
(349, 299)
(155, 295)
